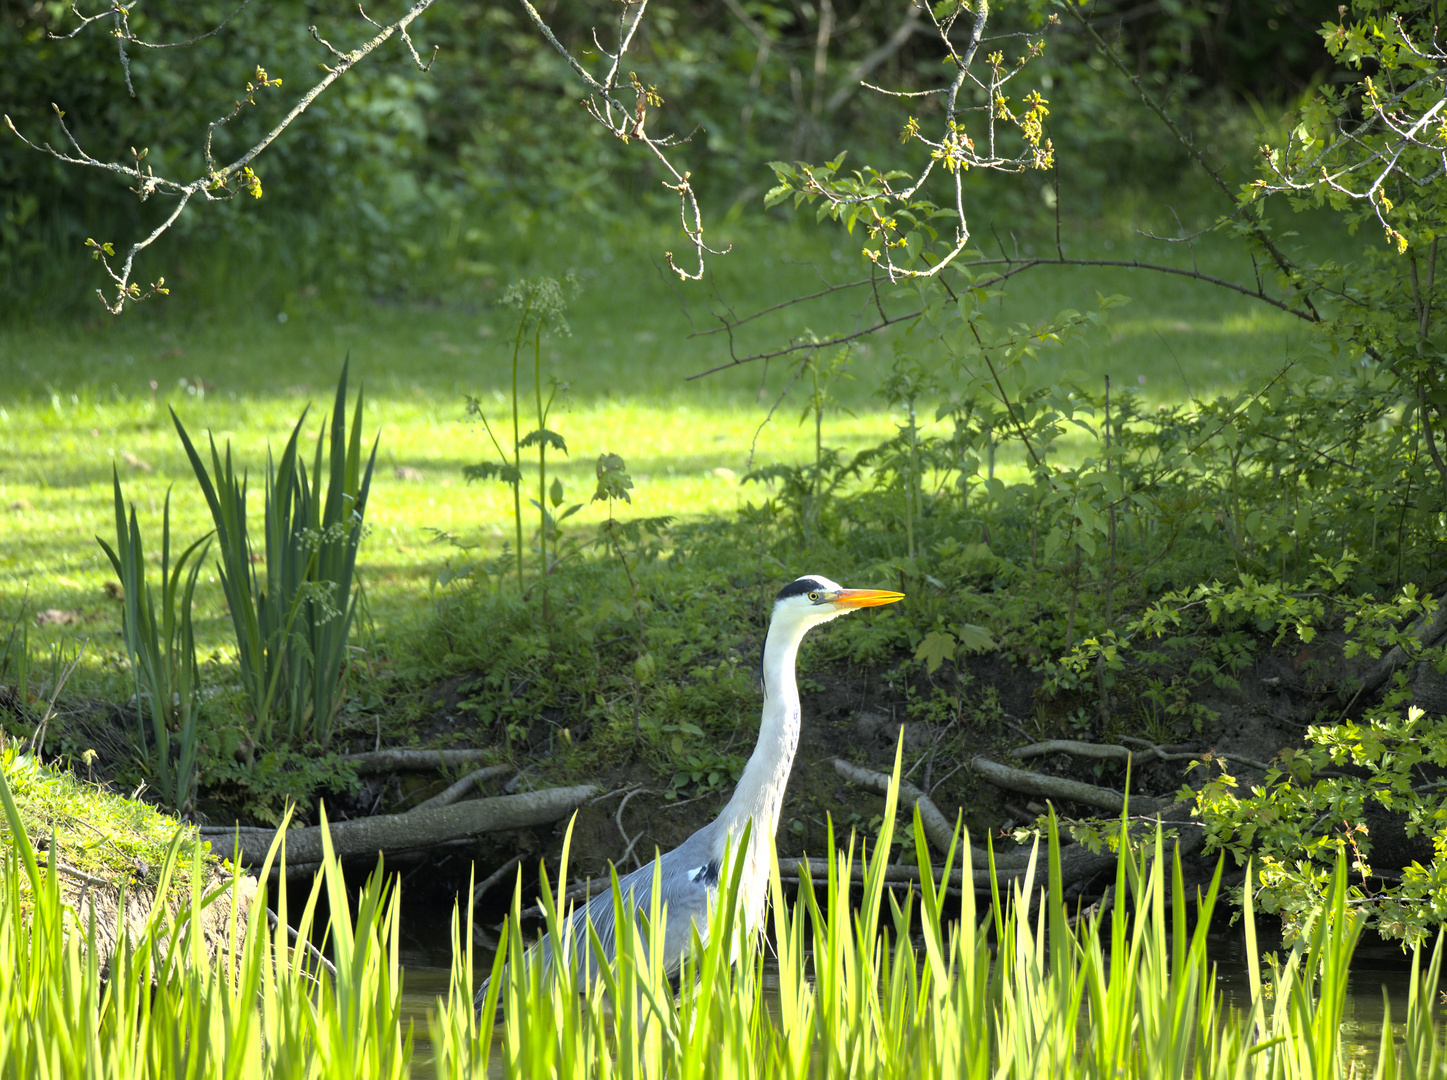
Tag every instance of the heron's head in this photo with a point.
(812, 599)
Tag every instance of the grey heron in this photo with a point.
(689, 874)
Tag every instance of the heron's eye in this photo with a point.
(814, 597)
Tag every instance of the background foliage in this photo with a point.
(400, 181)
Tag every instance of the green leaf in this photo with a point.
(775, 195)
(487, 470)
(937, 647)
(544, 437)
(974, 638)
(447, 575)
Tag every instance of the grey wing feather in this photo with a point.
(689, 882)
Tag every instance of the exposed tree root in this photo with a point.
(463, 786)
(1148, 752)
(379, 761)
(937, 828)
(416, 829)
(1060, 788)
(1099, 751)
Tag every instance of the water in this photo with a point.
(425, 948)
(1381, 973)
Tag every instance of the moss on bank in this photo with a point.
(92, 829)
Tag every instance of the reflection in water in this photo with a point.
(1377, 966)
(426, 955)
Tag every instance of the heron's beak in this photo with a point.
(855, 598)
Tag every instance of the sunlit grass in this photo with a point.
(169, 1003)
(82, 397)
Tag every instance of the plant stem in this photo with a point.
(1109, 578)
(641, 647)
(542, 471)
(812, 519)
(1074, 598)
(517, 453)
(910, 482)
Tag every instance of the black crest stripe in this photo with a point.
(800, 587)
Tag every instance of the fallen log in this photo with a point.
(1076, 864)
(1060, 788)
(402, 760)
(416, 829)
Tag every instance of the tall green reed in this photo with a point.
(292, 630)
(165, 1006)
(913, 984)
(907, 985)
(162, 652)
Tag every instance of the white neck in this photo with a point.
(760, 791)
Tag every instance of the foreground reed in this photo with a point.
(166, 1008)
(884, 986)
(889, 986)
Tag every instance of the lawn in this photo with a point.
(85, 394)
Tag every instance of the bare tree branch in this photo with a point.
(121, 13)
(1012, 268)
(225, 181)
(892, 213)
(1259, 234)
(216, 183)
(629, 123)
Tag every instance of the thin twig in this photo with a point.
(37, 740)
(311, 950)
(65, 868)
(214, 184)
(495, 877)
(1013, 268)
(618, 817)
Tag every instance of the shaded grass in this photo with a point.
(84, 394)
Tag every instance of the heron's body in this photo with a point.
(690, 875)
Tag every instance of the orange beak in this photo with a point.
(855, 598)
